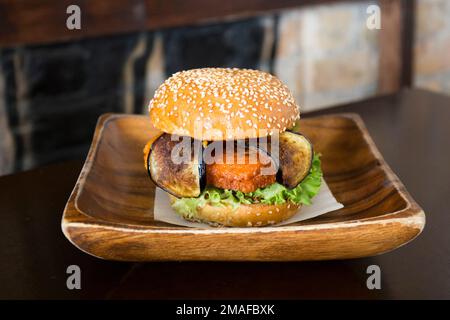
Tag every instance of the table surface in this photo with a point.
(412, 131)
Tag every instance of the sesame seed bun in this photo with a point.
(252, 215)
(223, 104)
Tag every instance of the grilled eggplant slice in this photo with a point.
(295, 156)
(175, 164)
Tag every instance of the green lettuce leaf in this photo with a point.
(276, 193)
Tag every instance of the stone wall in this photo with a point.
(51, 95)
(327, 55)
(432, 45)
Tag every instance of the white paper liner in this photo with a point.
(322, 203)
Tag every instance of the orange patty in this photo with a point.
(244, 177)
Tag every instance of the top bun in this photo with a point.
(223, 104)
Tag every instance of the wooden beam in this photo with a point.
(396, 40)
(408, 28)
(163, 13)
(44, 21)
(390, 46)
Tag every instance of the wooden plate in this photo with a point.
(110, 211)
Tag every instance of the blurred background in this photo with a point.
(56, 81)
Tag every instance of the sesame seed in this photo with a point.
(234, 92)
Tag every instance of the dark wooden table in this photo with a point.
(412, 130)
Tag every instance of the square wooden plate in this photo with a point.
(110, 211)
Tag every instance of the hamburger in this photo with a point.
(230, 152)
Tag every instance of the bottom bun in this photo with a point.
(246, 215)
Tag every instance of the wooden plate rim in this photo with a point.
(411, 215)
